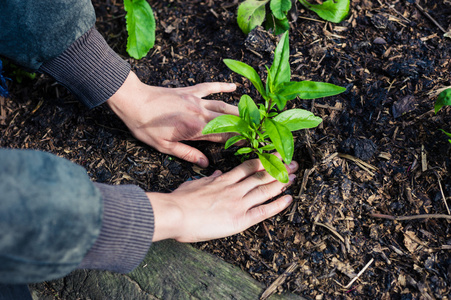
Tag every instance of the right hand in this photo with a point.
(164, 117)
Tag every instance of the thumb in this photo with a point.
(188, 153)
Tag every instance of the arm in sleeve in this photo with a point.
(54, 219)
(59, 38)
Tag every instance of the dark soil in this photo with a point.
(378, 155)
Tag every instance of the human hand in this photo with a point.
(162, 117)
(219, 205)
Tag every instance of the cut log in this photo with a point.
(171, 270)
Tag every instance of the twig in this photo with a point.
(429, 16)
(279, 281)
(310, 19)
(267, 231)
(415, 217)
(328, 107)
(424, 162)
(364, 165)
(360, 273)
(331, 229)
(256, 53)
(443, 194)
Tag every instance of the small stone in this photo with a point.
(379, 41)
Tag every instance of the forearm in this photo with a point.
(126, 232)
(50, 216)
(89, 68)
(33, 32)
(59, 38)
(54, 220)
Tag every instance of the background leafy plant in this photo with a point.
(444, 98)
(273, 13)
(267, 128)
(140, 27)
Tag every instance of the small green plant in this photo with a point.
(444, 98)
(140, 27)
(273, 13)
(267, 127)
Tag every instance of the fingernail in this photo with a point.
(288, 199)
(202, 162)
(292, 177)
(293, 165)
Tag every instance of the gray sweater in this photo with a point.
(53, 218)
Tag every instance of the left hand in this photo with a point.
(220, 205)
(162, 117)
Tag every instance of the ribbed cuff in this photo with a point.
(126, 232)
(89, 68)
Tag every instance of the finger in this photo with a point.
(263, 177)
(264, 192)
(262, 212)
(204, 89)
(215, 137)
(247, 168)
(220, 107)
(187, 153)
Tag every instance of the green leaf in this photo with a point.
(251, 13)
(282, 139)
(268, 147)
(274, 166)
(281, 26)
(296, 119)
(248, 72)
(280, 100)
(140, 27)
(233, 140)
(331, 10)
(309, 89)
(447, 133)
(280, 69)
(280, 8)
(226, 123)
(444, 98)
(243, 150)
(248, 110)
(278, 26)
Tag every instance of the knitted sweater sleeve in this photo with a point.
(54, 220)
(58, 37)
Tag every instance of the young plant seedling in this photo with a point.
(267, 127)
(273, 13)
(444, 98)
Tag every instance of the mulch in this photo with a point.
(372, 212)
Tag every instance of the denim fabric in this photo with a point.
(34, 31)
(14, 292)
(50, 216)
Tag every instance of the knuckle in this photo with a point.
(260, 175)
(187, 155)
(263, 189)
(221, 107)
(261, 212)
(251, 164)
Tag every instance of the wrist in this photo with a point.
(168, 217)
(119, 102)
